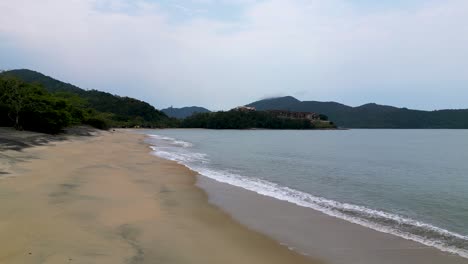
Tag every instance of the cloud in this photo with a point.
(328, 50)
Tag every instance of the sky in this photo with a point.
(223, 53)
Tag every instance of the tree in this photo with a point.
(323, 117)
(14, 95)
(31, 107)
(114, 110)
(244, 120)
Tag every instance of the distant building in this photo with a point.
(244, 109)
(295, 115)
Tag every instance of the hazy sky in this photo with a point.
(224, 53)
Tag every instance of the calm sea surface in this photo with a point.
(412, 183)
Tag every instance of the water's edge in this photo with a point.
(384, 222)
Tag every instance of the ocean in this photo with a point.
(409, 183)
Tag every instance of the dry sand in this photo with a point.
(104, 199)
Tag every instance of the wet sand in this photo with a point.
(104, 199)
(333, 240)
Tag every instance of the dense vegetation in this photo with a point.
(245, 120)
(48, 105)
(32, 101)
(184, 111)
(370, 115)
(27, 106)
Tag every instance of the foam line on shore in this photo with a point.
(401, 226)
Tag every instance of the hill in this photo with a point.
(370, 115)
(184, 112)
(234, 119)
(121, 111)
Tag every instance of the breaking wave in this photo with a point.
(427, 234)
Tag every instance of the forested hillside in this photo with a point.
(370, 115)
(44, 97)
(184, 112)
(247, 120)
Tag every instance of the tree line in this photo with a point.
(32, 101)
(247, 120)
(30, 106)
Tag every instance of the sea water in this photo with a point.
(410, 183)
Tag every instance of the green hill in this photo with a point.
(248, 120)
(118, 110)
(184, 112)
(370, 115)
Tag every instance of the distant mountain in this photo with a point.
(184, 112)
(124, 111)
(370, 115)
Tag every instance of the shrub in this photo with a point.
(98, 123)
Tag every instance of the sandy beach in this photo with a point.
(330, 239)
(104, 199)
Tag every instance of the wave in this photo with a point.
(181, 158)
(173, 141)
(378, 220)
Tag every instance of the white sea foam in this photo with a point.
(183, 143)
(173, 141)
(181, 157)
(404, 227)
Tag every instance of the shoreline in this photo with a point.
(106, 199)
(312, 232)
(232, 200)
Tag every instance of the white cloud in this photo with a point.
(325, 50)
